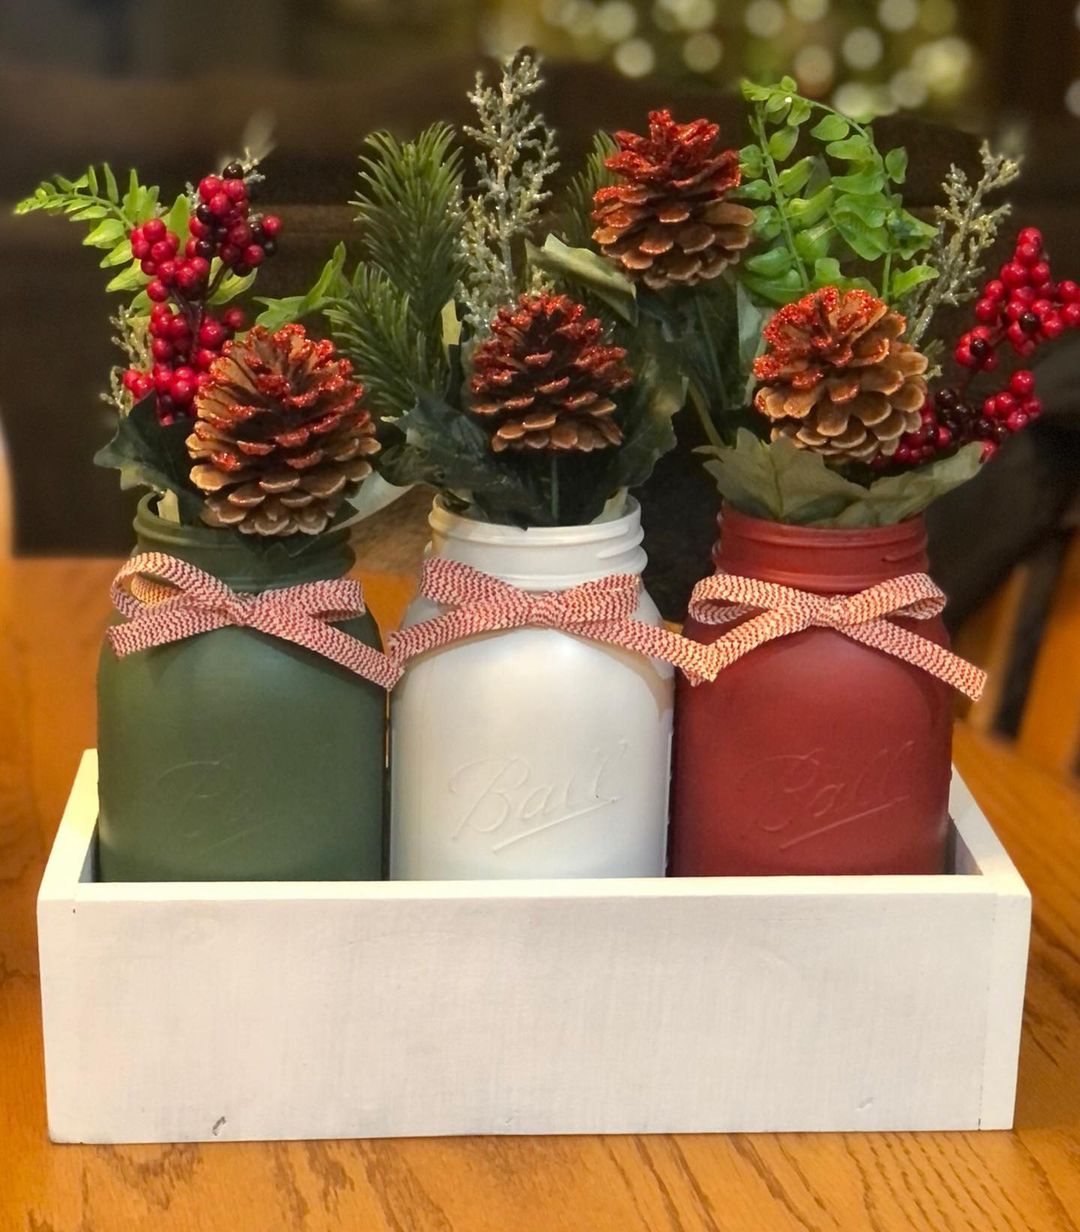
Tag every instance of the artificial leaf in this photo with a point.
(129, 279)
(806, 211)
(148, 455)
(107, 234)
(896, 162)
(868, 242)
(832, 127)
(754, 190)
(903, 282)
(801, 110)
(232, 286)
(866, 180)
(583, 267)
(851, 149)
(767, 223)
(771, 264)
(780, 481)
(279, 312)
(751, 161)
(793, 179)
(782, 142)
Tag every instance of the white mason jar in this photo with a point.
(532, 752)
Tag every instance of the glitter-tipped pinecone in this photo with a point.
(835, 377)
(280, 439)
(545, 376)
(668, 220)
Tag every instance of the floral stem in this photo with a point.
(758, 126)
(709, 428)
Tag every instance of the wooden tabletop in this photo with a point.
(51, 616)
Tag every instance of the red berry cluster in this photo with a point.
(186, 337)
(1023, 308)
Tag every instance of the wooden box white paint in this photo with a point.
(186, 1012)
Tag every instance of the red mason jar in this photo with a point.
(813, 753)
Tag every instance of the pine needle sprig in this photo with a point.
(575, 224)
(373, 322)
(409, 202)
(966, 229)
(517, 156)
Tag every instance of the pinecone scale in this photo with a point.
(280, 439)
(544, 378)
(836, 378)
(668, 220)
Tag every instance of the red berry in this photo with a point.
(240, 235)
(140, 248)
(1004, 405)
(1016, 334)
(944, 438)
(161, 349)
(1012, 275)
(186, 278)
(988, 310)
(219, 204)
(271, 225)
(992, 290)
(209, 187)
(212, 333)
(1028, 254)
(1070, 314)
(148, 267)
(160, 251)
(233, 318)
(1042, 308)
(153, 230)
(234, 190)
(965, 358)
(1016, 421)
(131, 379)
(1025, 295)
(229, 253)
(1030, 235)
(201, 379)
(1022, 382)
(178, 327)
(988, 451)
(201, 267)
(162, 378)
(183, 373)
(198, 229)
(1032, 408)
(157, 291)
(182, 391)
(1039, 274)
(204, 357)
(1052, 326)
(167, 271)
(253, 255)
(1068, 291)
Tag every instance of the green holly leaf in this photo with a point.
(585, 268)
(148, 455)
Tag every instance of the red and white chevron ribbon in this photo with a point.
(166, 600)
(601, 610)
(864, 617)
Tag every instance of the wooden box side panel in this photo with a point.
(273, 1020)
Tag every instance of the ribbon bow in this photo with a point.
(166, 600)
(601, 610)
(864, 617)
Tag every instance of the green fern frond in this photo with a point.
(575, 222)
(409, 201)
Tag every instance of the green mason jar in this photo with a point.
(233, 755)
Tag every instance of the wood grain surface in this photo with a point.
(51, 616)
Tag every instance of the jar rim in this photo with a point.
(768, 530)
(459, 526)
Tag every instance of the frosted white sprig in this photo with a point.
(517, 156)
(966, 229)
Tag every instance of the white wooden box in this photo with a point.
(189, 1012)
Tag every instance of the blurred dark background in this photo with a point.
(170, 88)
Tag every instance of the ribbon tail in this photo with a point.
(314, 634)
(903, 644)
(767, 627)
(698, 663)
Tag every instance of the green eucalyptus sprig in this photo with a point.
(827, 203)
